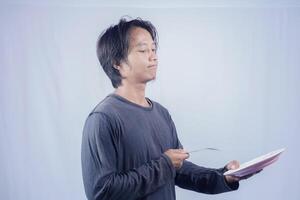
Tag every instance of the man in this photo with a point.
(130, 148)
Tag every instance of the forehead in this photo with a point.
(139, 37)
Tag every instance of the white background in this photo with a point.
(228, 73)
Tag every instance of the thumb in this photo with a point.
(233, 165)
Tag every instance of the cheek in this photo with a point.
(138, 63)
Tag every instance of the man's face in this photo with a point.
(141, 63)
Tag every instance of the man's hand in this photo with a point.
(234, 165)
(177, 157)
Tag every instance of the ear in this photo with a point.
(117, 67)
(120, 68)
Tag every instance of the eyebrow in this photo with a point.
(145, 44)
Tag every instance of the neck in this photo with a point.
(133, 93)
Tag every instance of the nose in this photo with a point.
(153, 56)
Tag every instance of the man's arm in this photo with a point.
(200, 179)
(204, 180)
(101, 178)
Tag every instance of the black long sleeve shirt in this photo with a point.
(123, 147)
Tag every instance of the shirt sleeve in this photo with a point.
(102, 179)
(200, 179)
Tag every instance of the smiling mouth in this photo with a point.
(153, 66)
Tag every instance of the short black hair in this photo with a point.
(113, 45)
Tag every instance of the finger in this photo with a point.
(183, 156)
(232, 179)
(184, 151)
(169, 150)
(181, 151)
(236, 179)
(177, 150)
(233, 165)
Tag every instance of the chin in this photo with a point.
(153, 78)
(150, 79)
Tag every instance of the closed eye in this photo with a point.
(144, 51)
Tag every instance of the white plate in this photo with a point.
(256, 164)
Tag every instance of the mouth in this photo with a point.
(152, 66)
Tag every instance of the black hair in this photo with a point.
(113, 45)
